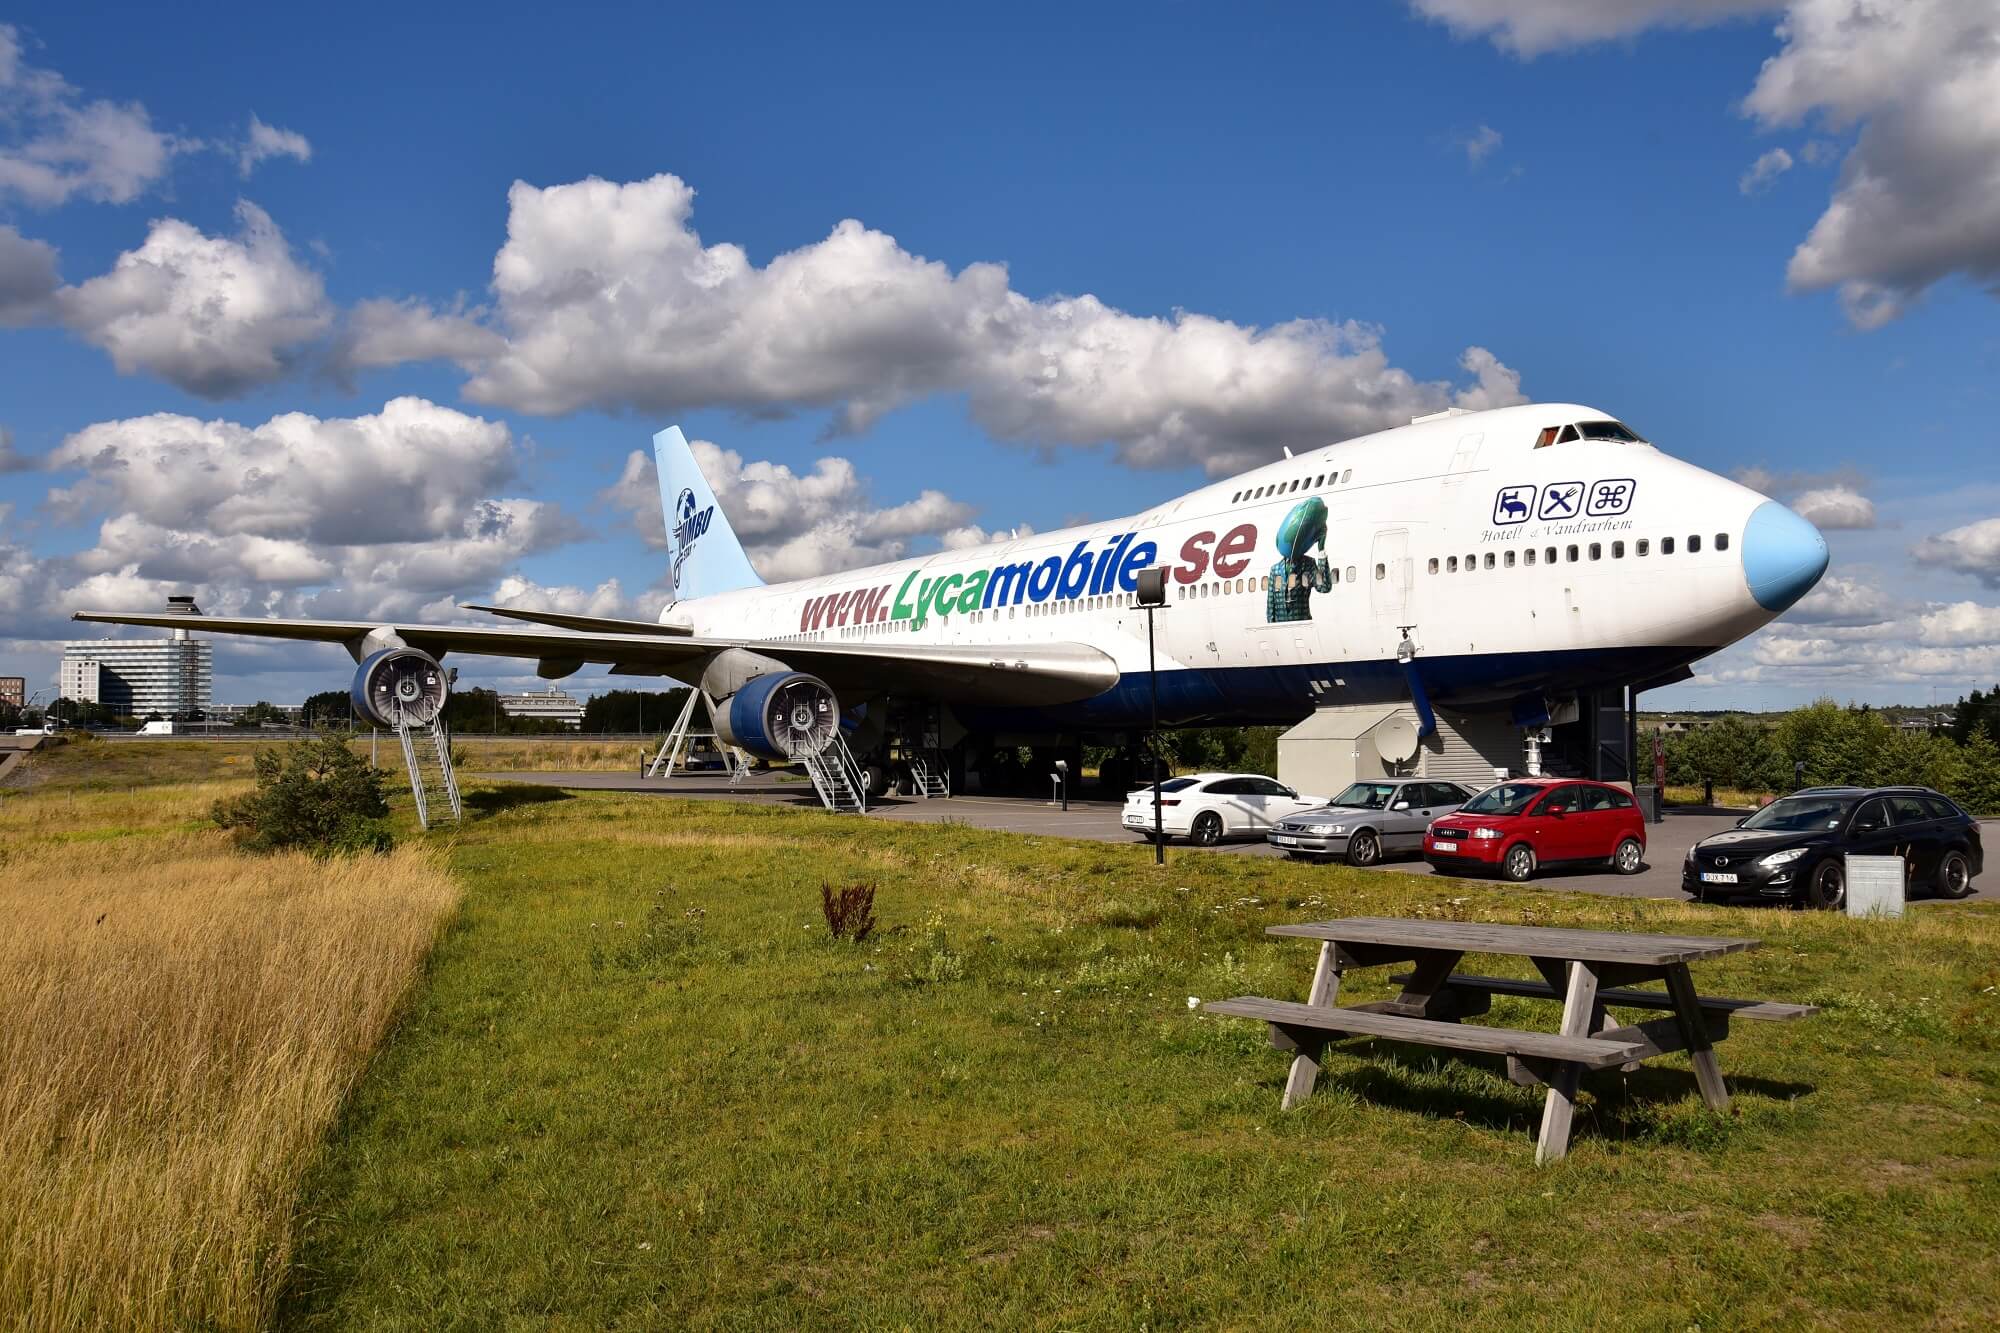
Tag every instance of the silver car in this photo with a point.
(1369, 820)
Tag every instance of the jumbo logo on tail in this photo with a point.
(689, 524)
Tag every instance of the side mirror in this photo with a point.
(1400, 805)
(1866, 826)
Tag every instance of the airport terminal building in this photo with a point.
(173, 677)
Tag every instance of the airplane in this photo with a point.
(1509, 560)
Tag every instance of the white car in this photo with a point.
(1205, 808)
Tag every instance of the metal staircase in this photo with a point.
(427, 752)
(929, 775)
(837, 777)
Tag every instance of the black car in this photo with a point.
(1796, 848)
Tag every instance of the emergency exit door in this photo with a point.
(1390, 574)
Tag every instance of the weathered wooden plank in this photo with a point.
(1324, 991)
(1597, 946)
(1552, 1143)
(1687, 1011)
(1424, 995)
(1769, 1011)
(1587, 1051)
(1658, 1036)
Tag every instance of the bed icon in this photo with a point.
(1513, 504)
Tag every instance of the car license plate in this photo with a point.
(1283, 840)
(1716, 877)
(1437, 846)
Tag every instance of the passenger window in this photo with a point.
(1381, 572)
(1940, 808)
(1572, 555)
(1471, 561)
(1909, 810)
(1694, 545)
(1489, 560)
(1550, 555)
(1721, 541)
(1639, 547)
(1509, 561)
(1619, 800)
(1666, 546)
(1350, 575)
(1596, 798)
(1596, 551)
(1347, 476)
(1872, 816)
(1434, 564)
(1529, 554)
(1618, 550)
(1560, 801)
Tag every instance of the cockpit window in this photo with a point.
(1569, 433)
(1609, 430)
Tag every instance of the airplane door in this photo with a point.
(1390, 574)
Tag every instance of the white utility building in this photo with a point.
(174, 677)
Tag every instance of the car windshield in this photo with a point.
(1509, 798)
(1797, 814)
(1367, 795)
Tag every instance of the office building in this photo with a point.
(174, 677)
(552, 704)
(13, 691)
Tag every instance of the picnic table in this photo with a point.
(1591, 971)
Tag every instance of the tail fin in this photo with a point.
(707, 558)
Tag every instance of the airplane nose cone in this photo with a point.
(1783, 556)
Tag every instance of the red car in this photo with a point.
(1518, 827)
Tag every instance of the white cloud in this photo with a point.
(12, 462)
(1835, 507)
(1961, 624)
(606, 599)
(1480, 144)
(268, 141)
(606, 298)
(414, 470)
(1767, 168)
(797, 525)
(1972, 549)
(27, 277)
(1919, 196)
(388, 333)
(1838, 600)
(212, 315)
(55, 145)
(1532, 27)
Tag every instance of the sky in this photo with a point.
(375, 315)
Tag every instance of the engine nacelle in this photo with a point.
(783, 715)
(400, 687)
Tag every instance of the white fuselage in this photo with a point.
(1508, 568)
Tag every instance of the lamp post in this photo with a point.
(1152, 592)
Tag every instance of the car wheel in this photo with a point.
(1207, 830)
(1519, 863)
(1954, 876)
(1827, 889)
(1363, 849)
(1630, 858)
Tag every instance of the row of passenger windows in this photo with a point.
(1295, 484)
(1572, 553)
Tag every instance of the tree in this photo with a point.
(316, 796)
(329, 708)
(633, 710)
(1978, 778)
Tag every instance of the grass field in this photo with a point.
(638, 1086)
(182, 1025)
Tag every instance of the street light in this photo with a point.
(1152, 592)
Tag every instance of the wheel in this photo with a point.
(1364, 849)
(1519, 862)
(1827, 888)
(1954, 876)
(876, 778)
(1630, 858)
(1207, 830)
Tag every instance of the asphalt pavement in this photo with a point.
(1098, 821)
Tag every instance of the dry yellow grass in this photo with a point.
(555, 756)
(182, 1024)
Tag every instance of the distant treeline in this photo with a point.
(475, 711)
(1826, 744)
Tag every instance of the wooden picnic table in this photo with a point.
(1590, 970)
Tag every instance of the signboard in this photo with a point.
(1874, 886)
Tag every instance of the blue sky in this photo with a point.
(1570, 198)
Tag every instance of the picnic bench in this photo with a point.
(1591, 971)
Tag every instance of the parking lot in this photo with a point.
(1098, 821)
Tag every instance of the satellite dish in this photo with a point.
(1395, 738)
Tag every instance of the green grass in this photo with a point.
(642, 1088)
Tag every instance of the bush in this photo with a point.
(314, 796)
(850, 912)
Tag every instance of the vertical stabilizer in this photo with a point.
(707, 558)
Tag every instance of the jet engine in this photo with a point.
(400, 687)
(783, 715)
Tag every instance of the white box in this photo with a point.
(1874, 886)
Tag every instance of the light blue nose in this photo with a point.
(1783, 556)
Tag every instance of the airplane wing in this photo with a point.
(1022, 675)
(571, 620)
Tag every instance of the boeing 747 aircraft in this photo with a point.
(1510, 560)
